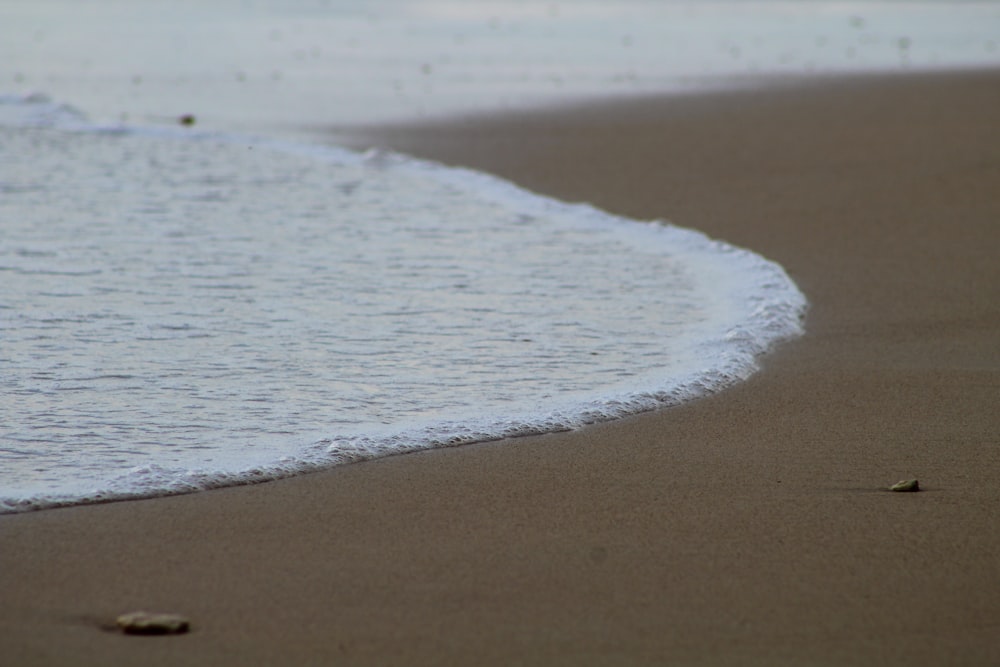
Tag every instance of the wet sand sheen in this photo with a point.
(747, 528)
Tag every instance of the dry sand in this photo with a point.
(748, 528)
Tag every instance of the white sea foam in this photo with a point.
(182, 310)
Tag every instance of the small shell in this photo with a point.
(906, 485)
(146, 623)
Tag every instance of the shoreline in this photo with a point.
(751, 526)
(761, 304)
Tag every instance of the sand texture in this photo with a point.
(752, 527)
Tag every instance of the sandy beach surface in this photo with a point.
(752, 527)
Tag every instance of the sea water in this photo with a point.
(182, 310)
(188, 307)
(285, 64)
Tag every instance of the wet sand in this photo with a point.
(751, 527)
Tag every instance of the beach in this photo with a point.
(750, 527)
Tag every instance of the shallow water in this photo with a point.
(181, 310)
(290, 64)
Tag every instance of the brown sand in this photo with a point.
(748, 528)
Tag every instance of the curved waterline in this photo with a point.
(185, 311)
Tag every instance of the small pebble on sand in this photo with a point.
(148, 623)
